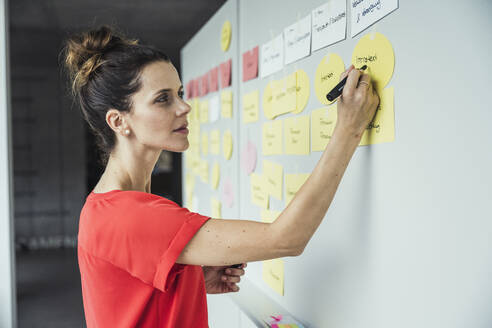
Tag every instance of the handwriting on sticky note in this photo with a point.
(273, 173)
(364, 13)
(298, 40)
(297, 135)
(293, 182)
(327, 76)
(251, 106)
(273, 274)
(259, 196)
(375, 51)
(382, 127)
(272, 138)
(323, 123)
(329, 23)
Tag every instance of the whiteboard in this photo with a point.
(405, 242)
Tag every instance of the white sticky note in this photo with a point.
(272, 56)
(298, 40)
(364, 13)
(329, 23)
(214, 108)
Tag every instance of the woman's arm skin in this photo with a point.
(225, 242)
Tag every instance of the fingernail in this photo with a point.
(228, 271)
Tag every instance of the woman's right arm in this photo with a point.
(226, 242)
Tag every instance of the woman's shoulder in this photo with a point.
(128, 196)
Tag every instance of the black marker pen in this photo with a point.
(337, 90)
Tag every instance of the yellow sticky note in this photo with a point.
(194, 114)
(204, 111)
(226, 104)
(273, 274)
(269, 216)
(323, 123)
(215, 142)
(297, 135)
(250, 106)
(215, 175)
(216, 206)
(227, 144)
(194, 136)
(274, 177)
(284, 95)
(204, 171)
(382, 127)
(268, 101)
(225, 36)
(375, 51)
(294, 182)
(327, 76)
(302, 91)
(272, 138)
(259, 196)
(205, 143)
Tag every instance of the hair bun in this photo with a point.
(84, 53)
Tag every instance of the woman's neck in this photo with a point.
(125, 171)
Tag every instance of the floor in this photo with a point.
(48, 289)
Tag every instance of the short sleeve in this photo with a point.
(147, 237)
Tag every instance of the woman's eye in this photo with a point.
(181, 94)
(162, 99)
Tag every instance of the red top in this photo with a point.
(128, 244)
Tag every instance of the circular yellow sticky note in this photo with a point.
(268, 101)
(205, 143)
(215, 175)
(225, 36)
(302, 91)
(327, 76)
(227, 144)
(375, 51)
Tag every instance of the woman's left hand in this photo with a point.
(222, 279)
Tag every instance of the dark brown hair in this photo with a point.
(104, 69)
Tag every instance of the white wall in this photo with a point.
(7, 277)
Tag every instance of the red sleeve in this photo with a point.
(146, 235)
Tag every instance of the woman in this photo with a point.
(145, 261)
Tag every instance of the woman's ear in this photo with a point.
(116, 122)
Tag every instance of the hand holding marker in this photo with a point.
(337, 90)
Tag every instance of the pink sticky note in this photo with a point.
(189, 89)
(248, 157)
(225, 73)
(250, 64)
(204, 85)
(214, 79)
(228, 193)
(196, 91)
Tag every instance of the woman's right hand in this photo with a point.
(358, 102)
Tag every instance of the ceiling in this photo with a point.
(38, 27)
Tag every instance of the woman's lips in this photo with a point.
(182, 130)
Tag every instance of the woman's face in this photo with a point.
(159, 111)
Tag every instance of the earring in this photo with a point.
(127, 131)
